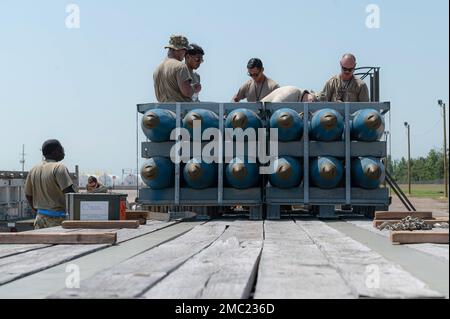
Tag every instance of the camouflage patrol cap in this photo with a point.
(178, 42)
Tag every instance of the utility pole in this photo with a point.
(442, 105)
(409, 156)
(22, 160)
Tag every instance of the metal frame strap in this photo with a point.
(348, 195)
(306, 153)
(220, 163)
(177, 156)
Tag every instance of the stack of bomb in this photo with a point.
(367, 126)
(158, 172)
(157, 125)
(327, 125)
(242, 172)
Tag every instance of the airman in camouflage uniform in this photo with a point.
(43, 221)
(172, 79)
(345, 87)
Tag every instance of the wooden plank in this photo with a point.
(366, 271)
(49, 281)
(11, 250)
(125, 234)
(420, 236)
(59, 238)
(7, 250)
(109, 224)
(224, 270)
(135, 276)
(19, 266)
(172, 216)
(378, 222)
(142, 216)
(433, 272)
(151, 226)
(292, 266)
(158, 216)
(57, 229)
(25, 264)
(400, 215)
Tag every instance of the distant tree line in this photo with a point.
(430, 168)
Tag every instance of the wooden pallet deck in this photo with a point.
(220, 259)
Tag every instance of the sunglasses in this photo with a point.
(254, 75)
(349, 70)
(198, 59)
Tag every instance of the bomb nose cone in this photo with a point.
(373, 121)
(285, 120)
(328, 121)
(328, 171)
(239, 120)
(194, 170)
(149, 172)
(239, 171)
(284, 171)
(151, 120)
(193, 117)
(373, 171)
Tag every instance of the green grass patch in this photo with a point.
(425, 190)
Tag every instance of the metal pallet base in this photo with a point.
(324, 199)
(202, 199)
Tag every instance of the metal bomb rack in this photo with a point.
(266, 200)
(323, 201)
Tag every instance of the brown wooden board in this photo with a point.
(58, 238)
(139, 215)
(109, 224)
(420, 237)
(7, 250)
(400, 215)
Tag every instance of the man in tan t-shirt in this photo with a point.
(259, 86)
(345, 87)
(46, 185)
(172, 79)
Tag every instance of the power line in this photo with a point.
(428, 131)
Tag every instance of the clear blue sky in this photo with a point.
(82, 85)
